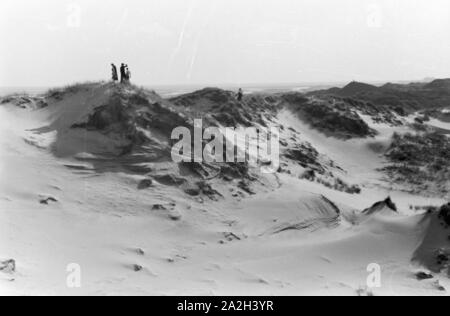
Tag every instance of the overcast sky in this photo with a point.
(54, 42)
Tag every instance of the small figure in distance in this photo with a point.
(115, 76)
(240, 95)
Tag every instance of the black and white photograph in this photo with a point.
(225, 154)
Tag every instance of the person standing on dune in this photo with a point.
(122, 73)
(240, 95)
(127, 73)
(115, 76)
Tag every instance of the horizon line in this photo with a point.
(248, 84)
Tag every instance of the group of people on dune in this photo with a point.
(125, 74)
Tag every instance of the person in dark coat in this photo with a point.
(240, 95)
(115, 76)
(122, 73)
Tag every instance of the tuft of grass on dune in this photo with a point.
(59, 93)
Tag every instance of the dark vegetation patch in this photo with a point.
(440, 114)
(305, 155)
(59, 94)
(421, 159)
(338, 119)
(379, 114)
(444, 213)
(8, 266)
(420, 276)
(220, 107)
(329, 180)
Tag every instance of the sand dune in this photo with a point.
(89, 181)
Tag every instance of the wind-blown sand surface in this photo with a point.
(298, 239)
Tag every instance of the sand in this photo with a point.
(296, 239)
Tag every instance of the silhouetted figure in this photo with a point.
(122, 73)
(240, 95)
(115, 76)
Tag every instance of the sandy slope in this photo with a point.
(291, 241)
(439, 124)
